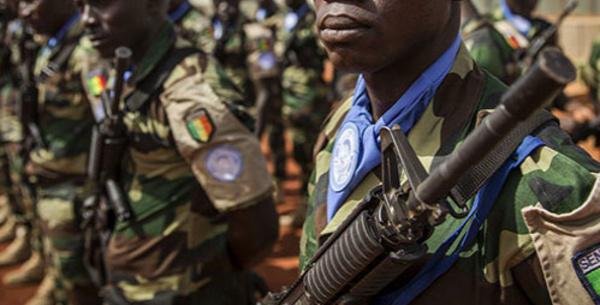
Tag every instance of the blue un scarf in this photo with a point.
(523, 25)
(357, 149)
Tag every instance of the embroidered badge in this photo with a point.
(200, 125)
(96, 82)
(345, 157)
(224, 163)
(587, 267)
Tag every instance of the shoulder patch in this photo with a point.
(224, 163)
(587, 267)
(96, 82)
(200, 125)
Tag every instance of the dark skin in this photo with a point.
(268, 91)
(46, 17)
(174, 4)
(409, 36)
(252, 231)
(523, 8)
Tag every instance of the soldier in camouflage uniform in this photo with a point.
(487, 46)
(57, 164)
(591, 73)
(194, 175)
(416, 72)
(305, 101)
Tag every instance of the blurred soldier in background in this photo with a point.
(191, 24)
(57, 162)
(193, 175)
(591, 74)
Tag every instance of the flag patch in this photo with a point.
(96, 82)
(200, 125)
(587, 267)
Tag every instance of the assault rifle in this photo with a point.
(542, 40)
(109, 140)
(386, 233)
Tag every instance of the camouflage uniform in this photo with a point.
(556, 177)
(195, 27)
(591, 73)
(304, 91)
(59, 168)
(189, 161)
(490, 50)
(513, 37)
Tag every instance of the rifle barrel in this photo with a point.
(540, 85)
(122, 58)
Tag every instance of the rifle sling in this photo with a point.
(58, 60)
(476, 177)
(153, 82)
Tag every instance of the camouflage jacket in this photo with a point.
(195, 27)
(556, 176)
(10, 126)
(490, 50)
(591, 73)
(190, 160)
(65, 118)
(245, 49)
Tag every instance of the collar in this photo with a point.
(180, 12)
(162, 42)
(523, 25)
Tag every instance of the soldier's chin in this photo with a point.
(105, 49)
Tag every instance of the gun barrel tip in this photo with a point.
(123, 52)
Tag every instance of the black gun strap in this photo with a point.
(153, 82)
(476, 177)
(58, 60)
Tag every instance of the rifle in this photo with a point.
(386, 233)
(542, 40)
(109, 140)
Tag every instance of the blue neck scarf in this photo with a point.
(179, 12)
(523, 25)
(357, 149)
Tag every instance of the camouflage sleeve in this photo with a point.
(223, 154)
(485, 52)
(558, 179)
(95, 73)
(260, 50)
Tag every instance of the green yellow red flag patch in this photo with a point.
(200, 125)
(96, 83)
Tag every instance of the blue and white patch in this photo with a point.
(267, 60)
(291, 20)
(587, 268)
(224, 163)
(345, 157)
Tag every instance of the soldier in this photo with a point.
(305, 101)
(57, 164)
(21, 195)
(194, 176)
(417, 73)
(487, 46)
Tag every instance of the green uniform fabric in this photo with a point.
(179, 182)
(195, 27)
(58, 170)
(305, 103)
(591, 73)
(556, 176)
(240, 50)
(490, 50)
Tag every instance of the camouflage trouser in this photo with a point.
(4, 172)
(59, 210)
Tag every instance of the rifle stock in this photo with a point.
(387, 231)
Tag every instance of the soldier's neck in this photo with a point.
(142, 47)
(174, 5)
